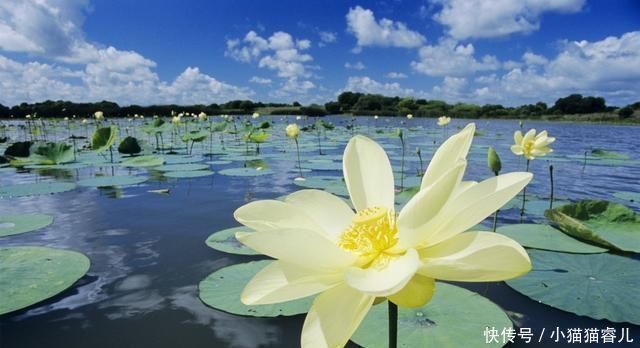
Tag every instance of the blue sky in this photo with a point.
(481, 51)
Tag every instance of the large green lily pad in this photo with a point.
(245, 171)
(182, 167)
(108, 181)
(600, 286)
(29, 275)
(225, 240)
(34, 189)
(103, 138)
(607, 224)
(222, 288)
(21, 223)
(545, 237)
(188, 174)
(142, 161)
(438, 323)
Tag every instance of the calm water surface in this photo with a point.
(148, 252)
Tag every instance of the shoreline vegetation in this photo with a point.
(573, 108)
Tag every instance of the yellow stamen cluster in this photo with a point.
(371, 233)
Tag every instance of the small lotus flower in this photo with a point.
(98, 115)
(255, 115)
(84, 121)
(28, 116)
(443, 120)
(66, 118)
(322, 246)
(292, 130)
(409, 116)
(298, 117)
(181, 114)
(531, 145)
(375, 117)
(202, 116)
(175, 120)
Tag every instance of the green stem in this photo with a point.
(402, 166)
(495, 215)
(551, 179)
(393, 325)
(298, 152)
(524, 195)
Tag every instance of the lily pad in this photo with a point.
(103, 138)
(29, 275)
(331, 184)
(222, 288)
(599, 286)
(108, 181)
(225, 240)
(188, 173)
(245, 171)
(436, 324)
(547, 238)
(21, 223)
(142, 161)
(607, 224)
(183, 167)
(34, 189)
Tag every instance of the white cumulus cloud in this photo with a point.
(450, 58)
(494, 18)
(385, 32)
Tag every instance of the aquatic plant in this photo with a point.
(322, 247)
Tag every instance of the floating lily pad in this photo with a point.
(143, 161)
(188, 173)
(245, 171)
(181, 167)
(177, 159)
(34, 189)
(331, 184)
(225, 240)
(66, 166)
(108, 181)
(600, 286)
(607, 224)
(438, 323)
(222, 288)
(547, 238)
(220, 162)
(29, 275)
(21, 223)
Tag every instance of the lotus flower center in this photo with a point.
(371, 232)
(527, 147)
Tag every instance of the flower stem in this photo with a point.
(393, 325)
(524, 195)
(495, 215)
(402, 168)
(298, 152)
(551, 179)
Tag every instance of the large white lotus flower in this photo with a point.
(531, 145)
(322, 246)
(202, 116)
(98, 115)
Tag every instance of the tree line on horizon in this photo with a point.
(346, 103)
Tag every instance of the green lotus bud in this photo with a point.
(493, 161)
(399, 133)
(418, 151)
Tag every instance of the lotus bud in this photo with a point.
(493, 161)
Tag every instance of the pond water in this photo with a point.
(148, 251)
